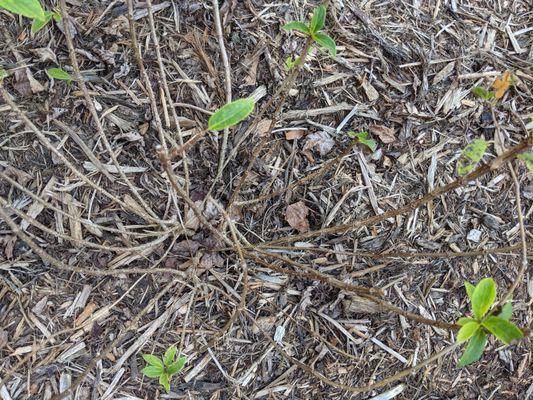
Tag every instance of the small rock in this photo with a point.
(474, 235)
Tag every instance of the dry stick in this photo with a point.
(282, 92)
(367, 293)
(171, 177)
(227, 78)
(361, 389)
(81, 242)
(44, 140)
(90, 105)
(323, 277)
(394, 254)
(59, 265)
(88, 152)
(309, 272)
(328, 165)
(242, 302)
(414, 317)
(163, 73)
(37, 347)
(480, 171)
(73, 217)
(523, 242)
(130, 326)
(178, 151)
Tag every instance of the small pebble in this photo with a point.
(474, 235)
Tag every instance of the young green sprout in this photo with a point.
(31, 9)
(474, 329)
(364, 138)
(164, 368)
(312, 30)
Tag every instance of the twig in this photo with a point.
(361, 389)
(395, 254)
(518, 280)
(480, 171)
(44, 140)
(90, 105)
(227, 79)
(166, 89)
(327, 166)
(133, 324)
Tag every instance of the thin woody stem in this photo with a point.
(477, 173)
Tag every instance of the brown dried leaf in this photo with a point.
(321, 140)
(296, 216)
(370, 91)
(294, 134)
(263, 126)
(385, 133)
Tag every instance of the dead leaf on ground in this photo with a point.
(321, 140)
(263, 127)
(45, 54)
(296, 216)
(502, 84)
(294, 134)
(26, 84)
(210, 260)
(385, 134)
(370, 91)
(187, 247)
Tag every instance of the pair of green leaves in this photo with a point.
(482, 297)
(313, 30)
(364, 138)
(164, 368)
(470, 156)
(31, 9)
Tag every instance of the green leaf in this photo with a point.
(507, 311)
(474, 349)
(58, 73)
(38, 24)
(56, 16)
(467, 331)
(153, 360)
(527, 157)
(152, 371)
(297, 26)
(318, 19)
(3, 74)
(469, 289)
(231, 114)
(364, 138)
(163, 380)
(290, 62)
(327, 42)
(464, 320)
(483, 297)
(482, 93)
(471, 155)
(28, 8)
(177, 366)
(504, 330)
(168, 358)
